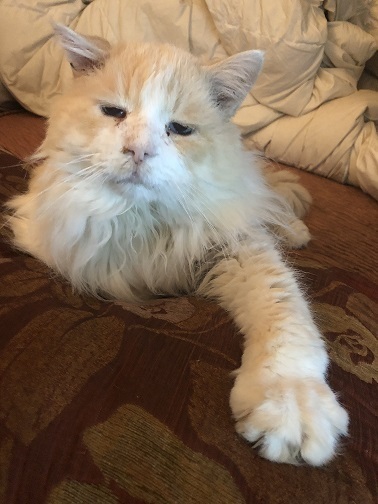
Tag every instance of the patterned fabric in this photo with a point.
(117, 403)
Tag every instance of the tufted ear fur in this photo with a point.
(84, 53)
(232, 79)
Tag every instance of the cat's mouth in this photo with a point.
(133, 179)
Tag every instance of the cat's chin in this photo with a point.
(133, 183)
(133, 179)
(133, 186)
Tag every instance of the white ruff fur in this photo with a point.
(126, 208)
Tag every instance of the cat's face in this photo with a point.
(148, 121)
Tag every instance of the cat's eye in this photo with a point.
(179, 129)
(117, 112)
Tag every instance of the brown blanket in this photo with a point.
(114, 403)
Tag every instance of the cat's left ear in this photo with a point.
(232, 79)
(84, 53)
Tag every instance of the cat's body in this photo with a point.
(145, 190)
(151, 245)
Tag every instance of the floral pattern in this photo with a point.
(118, 403)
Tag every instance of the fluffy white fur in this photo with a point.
(125, 208)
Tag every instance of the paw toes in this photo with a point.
(297, 235)
(295, 424)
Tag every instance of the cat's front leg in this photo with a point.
(280, 400)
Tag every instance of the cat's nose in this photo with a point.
(139, 153)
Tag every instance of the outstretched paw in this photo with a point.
(290, 420)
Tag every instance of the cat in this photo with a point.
(142, 188)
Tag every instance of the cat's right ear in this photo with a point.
(233, 78)
(84, 53)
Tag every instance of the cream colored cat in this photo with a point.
(144, 189)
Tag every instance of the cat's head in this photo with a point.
(149, 120)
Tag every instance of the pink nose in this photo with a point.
(139, 152)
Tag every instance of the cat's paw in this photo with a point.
(296, 234)
(286, 185)
(291, 420)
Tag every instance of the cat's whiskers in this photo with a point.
(218, 241)
(68, 179)
(73, 176)
(80, 158)
(51, 204)
(90, 174)
(21, 164)
(183, 202)
(92, 169)
(193, 200)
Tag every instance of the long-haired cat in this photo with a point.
(144, 189)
